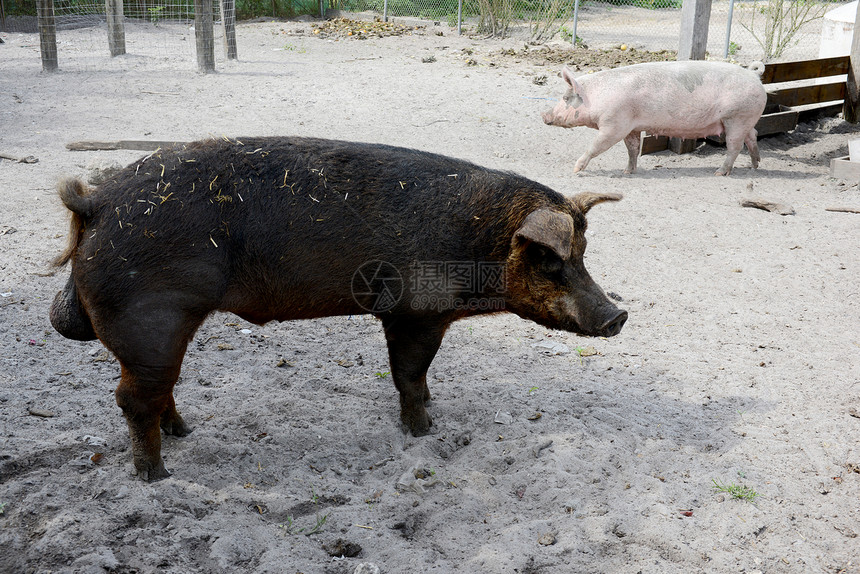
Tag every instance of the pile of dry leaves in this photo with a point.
(582, 58)
(361, 29)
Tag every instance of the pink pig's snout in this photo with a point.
(557, 115)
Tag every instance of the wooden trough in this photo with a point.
(803, 100)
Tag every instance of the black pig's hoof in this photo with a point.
(149, 472)
(174, 425)
(417, 421)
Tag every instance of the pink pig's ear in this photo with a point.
(568, 77)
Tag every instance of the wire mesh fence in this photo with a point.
(737, 30)
(160, 32)
(163, 30)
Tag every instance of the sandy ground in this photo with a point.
(740, 362)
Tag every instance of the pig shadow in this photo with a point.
(675, 172)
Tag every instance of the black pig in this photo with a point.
(289, 228)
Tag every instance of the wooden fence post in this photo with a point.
(205, 35)
(851, 106)
(116, 27)
(228, 19)
(47, 34)
(695, 15)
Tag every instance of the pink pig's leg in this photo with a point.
(752, 147)
(605, 139)
(633, 141)
(735, 136)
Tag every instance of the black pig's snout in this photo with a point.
(613, 326)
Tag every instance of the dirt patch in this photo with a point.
(582, 58)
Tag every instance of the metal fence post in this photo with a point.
(460, 17)
(729, 29)
(385, 11)
(575, 18)
(228, 21)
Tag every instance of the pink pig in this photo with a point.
(689, 99)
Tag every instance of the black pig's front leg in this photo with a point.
(412, 344)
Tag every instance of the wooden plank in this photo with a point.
(768, 205)
(804, 95)
(804, 70)
(18, 159)
(777, 123)
(680, 146)
(141, 145)
(843, 168)
(820, 111)
(653, 144)
(695, 15)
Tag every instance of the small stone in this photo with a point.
(547, 539)
(417, 480)
(503, 418)
(94, 440)
(341, 547)
(552, 348)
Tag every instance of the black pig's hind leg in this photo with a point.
(150, 344)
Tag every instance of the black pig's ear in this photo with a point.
(549, 228)
(587, 200)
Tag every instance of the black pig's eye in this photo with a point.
(546, 260)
